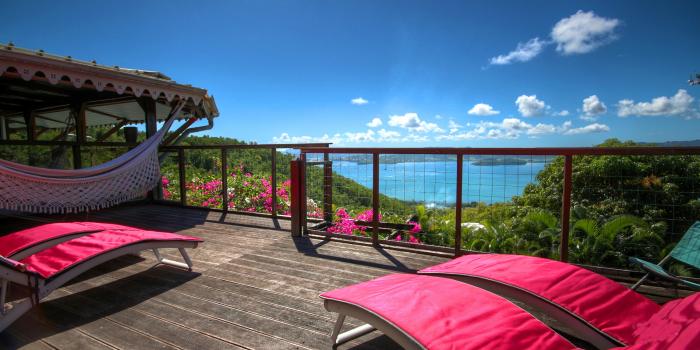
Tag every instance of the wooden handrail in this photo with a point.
(532, 151)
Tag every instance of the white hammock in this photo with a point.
(40, 190)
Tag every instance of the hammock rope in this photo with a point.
(49, 191)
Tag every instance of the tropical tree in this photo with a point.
(653, 188)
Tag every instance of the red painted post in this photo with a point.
(295, 194)
(458, 206)
(566, 209)
(375, 199)
(302, 194)
(273, 181)
(224, 179)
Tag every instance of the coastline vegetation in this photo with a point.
(621, 205)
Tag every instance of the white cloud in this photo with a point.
(513, 128)
(522, 53)
(389, 135)
(375, 122)
(438, 117)
(412, 122)
(359, 101)
(482, 109)
(679, 104)
(563, 113)
(588, 129)
(530, 106)
(286, 138)
(453, 126)
(415, 138)
(583, 32)
(357, 137)
(381, 135)
(406, 121)
(541, 129)
(593, 107)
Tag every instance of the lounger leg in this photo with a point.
(337, 327)
(186, 257)
(14, 312)
(338, 338)
(157, 254)
(3, 295)
(186, 265)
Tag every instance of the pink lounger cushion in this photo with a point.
(441, 313)
(608, 306)
(15, 242)
(52, 261)
(675, 327)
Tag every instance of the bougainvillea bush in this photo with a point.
(246, 192)
(344, 223)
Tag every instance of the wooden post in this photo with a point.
(327, 188)
(303, 196)
(80, 134)
(566, 209)
(224, 179)
(30, 125)
(458, 206)
(181, 170)
(375, 199)
(273, 180)
(149, 110)
(295, 196)
(3, 129)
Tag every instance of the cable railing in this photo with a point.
(586, 205)
(247, 179)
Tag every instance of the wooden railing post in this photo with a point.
(375, 199)
(181, 169)
(296, 190)
(458, 206)
(302, 191)
(566, 209)
(224, 179)
(327, 188)
(273, 180)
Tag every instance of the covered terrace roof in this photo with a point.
(50, 85)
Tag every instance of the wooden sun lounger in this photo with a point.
(44, 258)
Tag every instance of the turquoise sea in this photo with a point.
(434, 183)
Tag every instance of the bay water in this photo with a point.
(434, 184)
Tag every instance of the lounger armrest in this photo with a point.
(13, 264)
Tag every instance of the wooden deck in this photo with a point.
(254, 287)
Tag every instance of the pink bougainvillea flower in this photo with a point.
(416, 227)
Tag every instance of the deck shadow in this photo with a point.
(90, 303)
(307, 247)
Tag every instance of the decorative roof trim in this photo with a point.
(37, 65)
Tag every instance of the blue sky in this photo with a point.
(434, 73)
